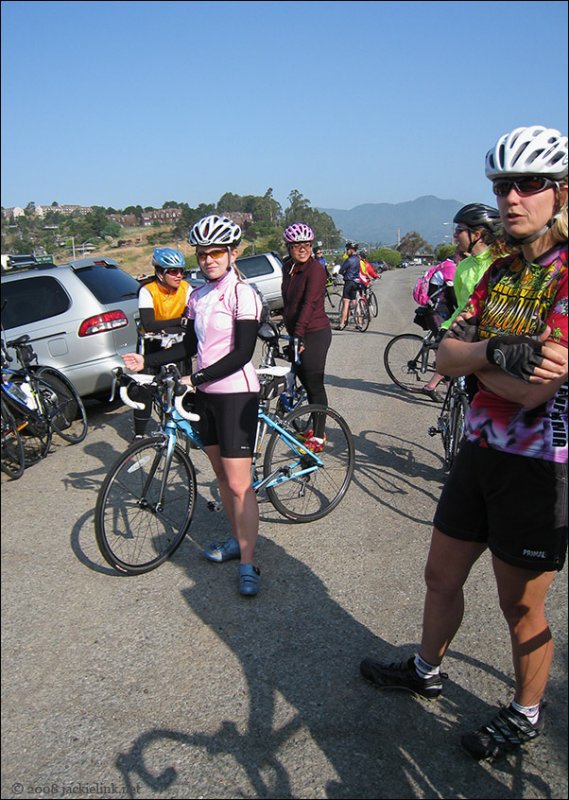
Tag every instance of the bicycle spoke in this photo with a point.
(409, 362)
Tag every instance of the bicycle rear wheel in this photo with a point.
(63, 404)
(300, 492)
(372, 303)
(456, 430)
(361, 314)
(134, 531)
(13, 461)
(403, 361)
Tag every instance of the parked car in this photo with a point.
(80, 317)
(265, 270)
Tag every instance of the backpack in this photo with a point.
(265, 308)
(421, 288)
(422, 291)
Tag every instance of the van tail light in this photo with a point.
(102, 323)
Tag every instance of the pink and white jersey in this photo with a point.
(214, 307)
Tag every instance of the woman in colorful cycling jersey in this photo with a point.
(223, 318)
(303, 290)
(507, 490)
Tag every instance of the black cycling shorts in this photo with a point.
(228, 420)
(514, 504)
(350, 290)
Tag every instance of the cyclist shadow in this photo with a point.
(309, 713)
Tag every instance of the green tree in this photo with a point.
(413, 243)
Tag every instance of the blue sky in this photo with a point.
(121, 103)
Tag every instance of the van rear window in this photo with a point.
(108, 283)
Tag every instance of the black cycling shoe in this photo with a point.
(508, 731)
(402, 675)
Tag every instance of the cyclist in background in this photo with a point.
(367, 271)
(350, 271)
(303, 290)
(507, 489)
(161, 304)
(478, 236)
(319, 256)
(222, 322)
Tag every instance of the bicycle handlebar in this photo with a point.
(167, 374)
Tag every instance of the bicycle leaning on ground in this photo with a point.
(147, 500)
(409, 359)
(41, 400)
(450, 422)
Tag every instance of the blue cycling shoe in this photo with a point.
(249, 579)
(224, 551)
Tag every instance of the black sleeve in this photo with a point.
(152, 325)
(178, 352)
(245, 331)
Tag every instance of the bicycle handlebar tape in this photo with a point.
(518, 356)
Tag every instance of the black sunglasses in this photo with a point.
(523, 186)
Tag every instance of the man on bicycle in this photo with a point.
(350, 271)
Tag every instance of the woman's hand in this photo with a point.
(134, 362)
(187, 381)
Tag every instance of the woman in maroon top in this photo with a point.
(303, 290)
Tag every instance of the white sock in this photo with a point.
(424, 669)
(531, 712)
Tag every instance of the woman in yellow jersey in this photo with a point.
(161, 304)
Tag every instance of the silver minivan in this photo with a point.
(80, 317)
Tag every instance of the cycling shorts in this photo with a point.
(350, 290)
(515, 504)
(228, 420)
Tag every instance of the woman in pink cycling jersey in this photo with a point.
(223, 318)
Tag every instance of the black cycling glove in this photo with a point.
(519, 356)
(466, 330)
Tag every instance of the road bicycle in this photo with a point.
(371, 300)
(359, 314)
(13, 459)
(147, 500)
(42, 398)
(450, 423)
(294, 393)
(410, 359)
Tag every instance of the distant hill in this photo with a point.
(385, 222)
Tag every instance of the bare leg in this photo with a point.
(238, 498)
(522, 600)
(448, 566)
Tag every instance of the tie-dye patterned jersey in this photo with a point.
(518, 298)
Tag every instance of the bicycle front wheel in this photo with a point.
(372, 303)
(406, 363)
(300, 489)
(13, 461)
(361, 314)
(456, 430)
(63, 404)
(138, 526)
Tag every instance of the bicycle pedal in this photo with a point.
(433, 431)
(213, 505)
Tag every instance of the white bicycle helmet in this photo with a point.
(214, 229)
(529, 151)
(298, 232)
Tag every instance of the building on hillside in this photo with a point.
(126, 220)
(164, 215)
(242, 218)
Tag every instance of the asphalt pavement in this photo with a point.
(171, 685)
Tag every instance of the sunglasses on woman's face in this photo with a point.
(174, 271)
(523, 186)
(217, 255)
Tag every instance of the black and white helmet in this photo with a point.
(534, 150)
(214, 229)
